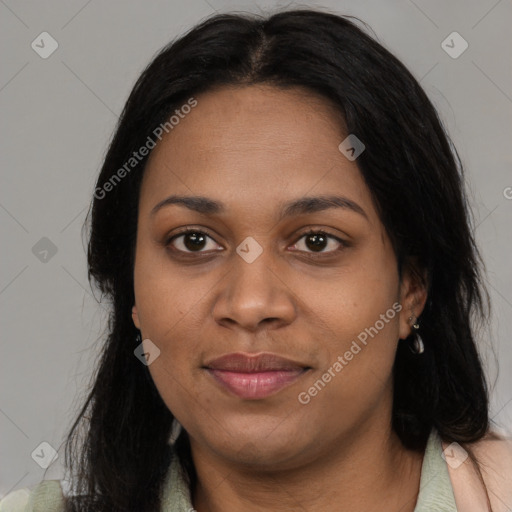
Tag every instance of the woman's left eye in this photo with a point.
(317, 241)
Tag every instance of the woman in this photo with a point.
(281, 225)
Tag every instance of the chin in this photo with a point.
(259, 446)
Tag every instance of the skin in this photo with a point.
(254, 148)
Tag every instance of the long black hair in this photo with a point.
(118, 448)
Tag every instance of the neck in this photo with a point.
(370, 470)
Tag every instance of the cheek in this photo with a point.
(176, 326)
(355, 380)
(359, 312)
(166, 296)
(353, 300)
(171, 310)
(363, 341)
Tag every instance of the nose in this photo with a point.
(254, 296)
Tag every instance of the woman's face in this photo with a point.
(250, 281)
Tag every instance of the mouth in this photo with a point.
(254, 377)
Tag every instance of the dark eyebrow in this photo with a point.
(303, 205)
(318, 204)
(196, 203)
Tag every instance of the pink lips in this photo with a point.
(254, 376)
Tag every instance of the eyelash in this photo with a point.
(313, 255)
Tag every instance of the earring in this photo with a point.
(417, 347)
(176, 430)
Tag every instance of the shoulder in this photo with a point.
(493, 454)
(46, 496)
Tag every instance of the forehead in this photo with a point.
(254, 142)
(245, 118)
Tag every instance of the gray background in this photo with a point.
(59, 113)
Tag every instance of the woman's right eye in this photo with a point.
(190, 241)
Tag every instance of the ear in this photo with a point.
(135, 317)
(413, 296)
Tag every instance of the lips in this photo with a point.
(254, 377)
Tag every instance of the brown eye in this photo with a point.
(194, 241)
(191, 241)
(318, 241)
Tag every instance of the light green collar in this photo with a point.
(176, 497)
(436, 491)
